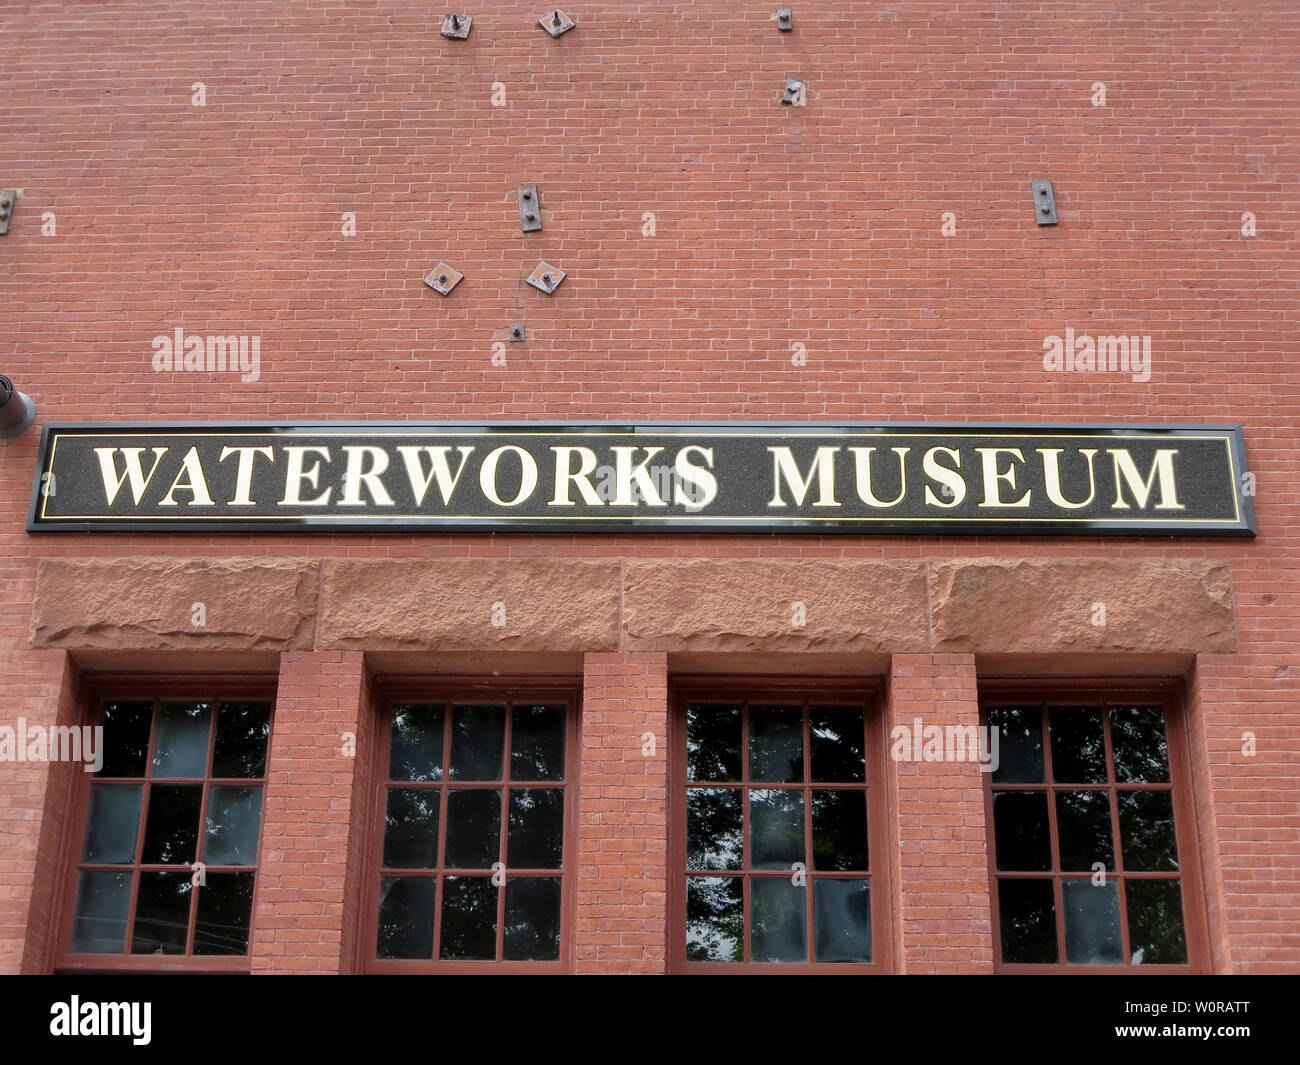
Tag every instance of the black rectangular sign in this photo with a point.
(1158, 480)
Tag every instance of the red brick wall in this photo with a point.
(775, 226)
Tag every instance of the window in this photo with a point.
(167, 841)
(472, 836)
(1090, 832)
(778, 797)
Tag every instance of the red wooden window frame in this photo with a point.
(806, 692)
(96, 690)
(1168, 695)
(468, 690)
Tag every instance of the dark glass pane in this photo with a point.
(1091, 922)
(839, 829)
(1083, 829)
(842, 919)
(126, 739)
(1137, 737)
(478, 740)
(234, 817)
(240, 746)
(715, 918)
(415, 751)
(536, 839)
(182, 746)
(1020, 831)
(1078, 744)
(1020, 744)
(411, 828)
(713, 743)
(473, 828)
(1027, 914)
(171, 831)
(162, 913)
(776, 828)
(469, 917)
(776, 743)
(838, 747)
(532, 919)
(406, 916)
(713, 828)
(778, 926)
(113, 824)
(225, 906)
(103, 899)
(1146, 831)
(1155, 922)
(537, 743)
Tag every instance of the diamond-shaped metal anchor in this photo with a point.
(794, 92)
(456, 26)
(546, 277)
(556, 22)
(516, 331)
(443, 278)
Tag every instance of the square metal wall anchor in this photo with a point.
(443, 278)
(516, 332)
(546, 277)
(556, 23)
(456, 26)
(1044, 202)
(530, 208)
(784, 19)
(794, 92)
(8, 201)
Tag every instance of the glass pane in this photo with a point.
(776, 743)
(776, 828)
(839, 830)
(1137, 737)
(225, 906)
(1091, 922)
(778, 926)
(1020, 744)
(532, 919)
(103, 899)
(478, 739)
(1027, 914)
(1078, 744)
(537, 743)
(113, 824)
(1083, 829)
(536, 839)
(126, 739)
(234, 816)
(715, 918)
(182, 748)
(838, 748)
(162, 913)
(713, 828)
(415, 751)
(469, 917)
(411, 828)
(1146, 831)
(713, 743)
(240, 746)
(473, 828)
(1155, 922)
(1021, 838)
(171, 831)
(842, 919)
(406, 916)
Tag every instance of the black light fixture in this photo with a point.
(17, 411)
